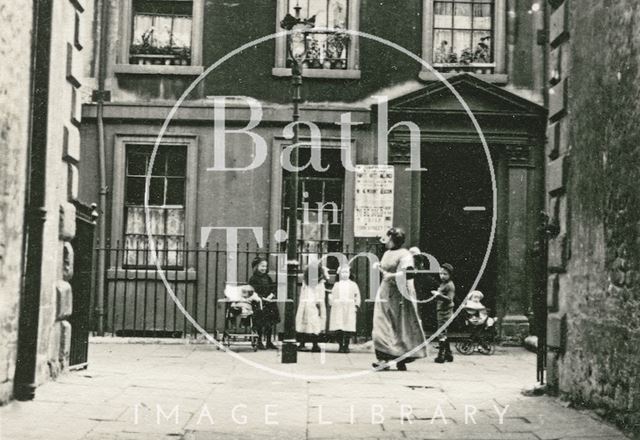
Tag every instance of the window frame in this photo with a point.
(126, 23)
(341, 212)
(353, 62)
(278, 181)
(190, 143)
(165, 207)
(498, 43)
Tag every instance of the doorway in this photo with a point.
(81, 287)
(456, 215)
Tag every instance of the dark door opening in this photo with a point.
(456, 216)
(81, 287)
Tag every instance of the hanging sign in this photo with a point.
(373, 214)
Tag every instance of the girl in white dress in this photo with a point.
(311, 316)
(345, 302)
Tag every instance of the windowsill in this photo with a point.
(150, 69)
(319, 73)
(151, 275)
(494, 78)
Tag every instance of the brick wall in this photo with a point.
(593, 184)
(15, 38)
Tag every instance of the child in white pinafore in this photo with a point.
(311, 317)
(345, 302)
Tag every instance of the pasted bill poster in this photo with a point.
(373, 214)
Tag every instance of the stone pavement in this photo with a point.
(193, 392)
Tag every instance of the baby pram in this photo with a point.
(482, 328)
(240, 302)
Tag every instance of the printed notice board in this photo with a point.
(373, 214)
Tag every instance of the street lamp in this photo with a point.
(297, 47)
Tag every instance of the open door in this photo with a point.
(456, 218)
(81, 285)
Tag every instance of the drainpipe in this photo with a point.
(512, 23)
(35, 215)
(100, 97)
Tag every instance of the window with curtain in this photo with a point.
(166, 206)
(161, 32)
(329, 48)
(320, 208)
(463, 32)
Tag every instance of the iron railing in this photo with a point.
(137, 302)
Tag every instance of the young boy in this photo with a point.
(444, 295)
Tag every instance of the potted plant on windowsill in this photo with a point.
(314, 54)
(336, 44)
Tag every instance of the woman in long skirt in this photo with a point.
(396, 327)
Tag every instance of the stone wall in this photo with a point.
(593, 176)
(15, 45)
(63, 154)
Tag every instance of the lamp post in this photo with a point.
(297, 48)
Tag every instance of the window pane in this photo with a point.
(442, 46)
(135, 191)
(177, 162)
(311, 230)
(137, 163)
(134, 254)
(304, 9)
(157, 221)
(175, 221)
(443, 17)
(316, 52)
(462, 46)
(174, 256)
(482, 16)
(142, 29)
(135, 220)
(156, 191)
(482, 52)
(333, 192)
(159, 163)
(182, 32)
(162, 31)
(335, 231)
(175, 191)
(462, 16)
(319, 9)
(337, 14)
(314, 190)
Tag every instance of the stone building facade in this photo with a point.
(40, 103)
(14, 126)
(593, 170)
(146, 73)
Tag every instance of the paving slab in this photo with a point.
(186, 391)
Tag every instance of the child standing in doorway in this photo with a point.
(444, 295)
(345, 302)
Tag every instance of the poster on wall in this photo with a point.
(373, 214)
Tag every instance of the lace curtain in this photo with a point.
(167, 228)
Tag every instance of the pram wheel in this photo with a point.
(465, 347)
(486, 347)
